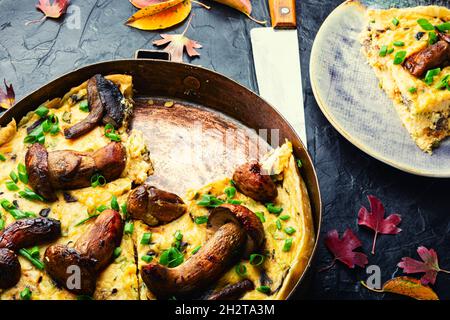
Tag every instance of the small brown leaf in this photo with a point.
(407, 286)
(177, 43)
(8, 97)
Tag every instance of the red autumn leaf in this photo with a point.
(145, 3)
(375, 220)
(342, 249)
(53, 10)
(7, 98)
(177, 43)
(429, 265)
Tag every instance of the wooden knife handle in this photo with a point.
(283, 14)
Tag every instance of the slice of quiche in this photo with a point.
(409, 50)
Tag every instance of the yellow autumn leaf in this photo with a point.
(163, 19)
(153, 9)
(407, 286)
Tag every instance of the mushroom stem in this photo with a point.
(201, 269)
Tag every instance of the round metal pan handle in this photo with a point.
(152, 54)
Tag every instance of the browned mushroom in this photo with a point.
(253, 181)
(436, 55)
(28, 232)
(91, 253)
(67, 169)
(233, 291)
(106, 104)
(20, 234)
(233, 227)
(154, 206)
(10, 270)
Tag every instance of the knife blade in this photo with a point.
(277, 64)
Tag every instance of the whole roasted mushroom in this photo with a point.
(91, 253)
(21, 234)
(233, 229)
(106, 104)
(154, 206)
(253, 181)
(67, 169)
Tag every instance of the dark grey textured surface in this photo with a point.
(32, 55)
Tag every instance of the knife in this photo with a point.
(277, 64)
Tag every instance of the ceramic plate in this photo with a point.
(348, 94)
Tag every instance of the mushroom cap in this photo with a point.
(10, 270)
(246, 218)
(36, 161)
(110, 160)
(252, 181)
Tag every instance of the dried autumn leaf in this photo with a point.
(145, 3)
(243, 6)
(342, 249)
(406, 286)
(8, 97)
(177, 43)
(429, 265)
(155, 19)
(375, 219)
(54, 10)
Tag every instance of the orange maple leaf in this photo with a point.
(177, 43)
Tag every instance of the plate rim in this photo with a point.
(324, 108)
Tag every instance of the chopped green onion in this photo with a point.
(87, 219)
(412, 90)
(14, 176)
(232, 182)
(11, 186)
(241, 269)
(398, 43)
(444, 83)
(84, 106)
(117, 252)
(201, 219)
(234, 201)
(230, 192)
(256, 259)
(25, 294)
(390, 50)
(432, 38)
(101, 208)
(123, 208)
(287, 245)
(196, 249)
(289, 230)
(114, 203)
(299, 163)
(260, 215)
(178, 235)
(278, 224)
(36, 262)
(42, 111)
(97, 180)
(399, 57)
(146, 238)
(210, 201)
(383, 51)
(429, 76)
(444, 27)
(2, 224)
(129, 228)
(264, 289)
(274, 209)
(23, 175)
(110, 133)
(37, 135)
(395, 22)
(2, 157)
(171, 257)
(147, 258)
(34, 252)
(30, 195)
(425, 24)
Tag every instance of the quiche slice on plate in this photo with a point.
(409, 50)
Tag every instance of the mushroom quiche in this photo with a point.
(80, 220)
(409, 50)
